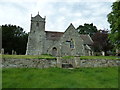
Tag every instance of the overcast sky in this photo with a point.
(59, 13)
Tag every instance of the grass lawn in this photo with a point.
(100, 57)
(51, 57)
(60, 78)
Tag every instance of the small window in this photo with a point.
(67, 41)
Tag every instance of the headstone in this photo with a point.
(12, 52)
(15, 53)
(2, 51)
(103, 53)
(92, 53)
(89, 53)
(117, 52)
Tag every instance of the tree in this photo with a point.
(14, 38)
(114, 20)
(101, 41)
(87, 29)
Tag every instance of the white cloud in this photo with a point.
(59, 14)
(58, 0)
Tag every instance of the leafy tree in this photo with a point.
(101, 41)
(114, 20)
(87, 29)
(14, 38)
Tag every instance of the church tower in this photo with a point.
(36, 38)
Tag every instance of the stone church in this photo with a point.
(68, 43)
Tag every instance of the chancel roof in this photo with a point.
(50, 35)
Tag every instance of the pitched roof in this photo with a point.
(87, 39)
(53, 35)
(50, 35)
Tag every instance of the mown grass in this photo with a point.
(64, 57)
(67, 57)
(60, 78)
(94, 57)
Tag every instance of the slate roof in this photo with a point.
(87, 39)
(50, 35)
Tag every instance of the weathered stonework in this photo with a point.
(28, 63)
(75, 62)
(68, 43)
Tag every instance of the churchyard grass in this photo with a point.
(51, 57)
(102, 77)
(101, 57)
(94, 57)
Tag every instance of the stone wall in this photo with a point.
(43, 63)
(28, 63)
(76, 62)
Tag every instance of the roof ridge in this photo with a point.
(54, 31)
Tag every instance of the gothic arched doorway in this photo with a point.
(54, 51)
